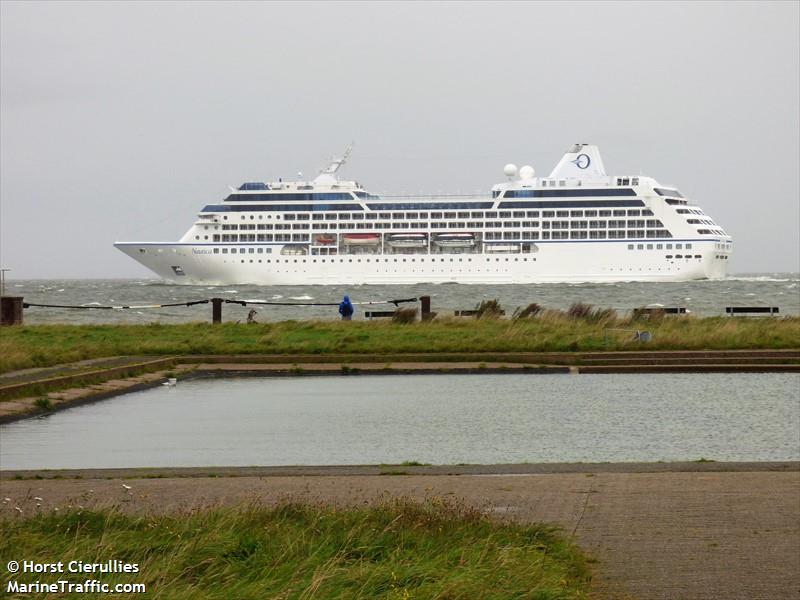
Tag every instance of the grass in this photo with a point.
(46, 345)
(397, 550)
(44, 404)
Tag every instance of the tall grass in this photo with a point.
(389, 551)
(44, 345)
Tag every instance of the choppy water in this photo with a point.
(439, 419)
(700, 297)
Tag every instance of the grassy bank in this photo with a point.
(393, 551)
(45, 345)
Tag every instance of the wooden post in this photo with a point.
(216, 310)
(425, 308)
(11, 310)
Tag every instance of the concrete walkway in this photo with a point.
(683, 535)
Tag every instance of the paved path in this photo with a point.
(666, 535)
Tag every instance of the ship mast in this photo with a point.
(337, 163)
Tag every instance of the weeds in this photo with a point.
(488, 309)
(44, 404)
(405, 315)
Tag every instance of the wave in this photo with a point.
(304, 297)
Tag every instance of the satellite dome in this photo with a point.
(527, 172)
(510, 170)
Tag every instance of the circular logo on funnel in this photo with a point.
(583, 161)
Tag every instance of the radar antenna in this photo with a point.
(337, 163)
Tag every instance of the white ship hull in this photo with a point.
(571, 262)
(576, 225)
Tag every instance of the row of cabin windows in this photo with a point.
(243, 250)
(489, 235)
(613, 224)
(621, 224)
(534, 235)
(693, 211)
(476, 215)
(517, 214)
(661, 247)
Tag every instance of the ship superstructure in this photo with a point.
(578, 224)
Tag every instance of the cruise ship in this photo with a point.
(577, 224)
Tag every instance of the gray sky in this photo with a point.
(119, 121)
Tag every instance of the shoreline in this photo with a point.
(408, 469)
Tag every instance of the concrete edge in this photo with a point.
(404, 469)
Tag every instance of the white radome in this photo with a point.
(526, 172)
(510, 170)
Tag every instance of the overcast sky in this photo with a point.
(119, 121)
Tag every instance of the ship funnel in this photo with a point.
(582, 162)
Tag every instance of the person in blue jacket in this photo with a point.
(346, 309)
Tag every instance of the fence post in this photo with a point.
(10, 310)
(425, 308)
(216, 310)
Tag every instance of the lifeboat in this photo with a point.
(361, 239)
(324, 239)
(408, 240)
(455, 240)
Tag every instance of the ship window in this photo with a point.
(518, 214)
(619, 213)
(532, 213)
(548, 214)
(633, 213)
(700, 256)
(589, 213)
(489, 215)
(605, 213)
(562, 213)
(630, 246)
(669, 256)
(666, 192)
(679, 256)
(678, 246)
(688, 246)
(640, 246)
(216, 250)
(647, 212)
(576, 213)
(224, 250)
